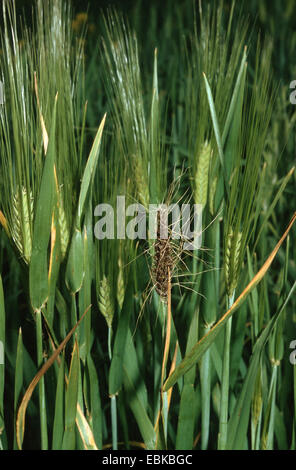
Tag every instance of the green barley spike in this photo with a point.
(22, 216)
(105, 301)
(141, 181)
(202, 174)
(232, 261)
(257, 401)
(212, 192)
(120, 284)
(64, 231)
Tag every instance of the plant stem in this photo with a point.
(222, 437)
(168, 332)
(166, 354)
(42, 404)
(205, 372)
(268, 430)
(163, 406)
(113, 401)
(114, 422)
(294, 430)
(109, 343)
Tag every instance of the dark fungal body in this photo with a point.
(163, 260)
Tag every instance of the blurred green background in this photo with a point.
(274, 17)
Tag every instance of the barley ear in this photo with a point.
(22, 216)
(64, 230)
(163, 263)
(212, 193)
(202, 174)
(105, 301)
(257, 401)
(232, 256)
(141, 179)
(120, 284)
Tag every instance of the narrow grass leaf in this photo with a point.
(75, 263)
(54, 266)
(280, 430)
(89, 171)
(131, 362)
(189, 377)
(95, 412)
(234, 98)
(85, 299)
(231, 146)
(116, 368)
(41, 385)
(2, 351)
(38, 271)
(59, 413)
(85, 430)
(145, 426)
(186, 419)
(71, 400)
(19, 376)
(216, 131)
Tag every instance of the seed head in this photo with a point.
(232, 255)
(163, 262)
(22, 216)
(105, 301)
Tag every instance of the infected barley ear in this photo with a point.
(163, 261)
(105, 301)
(20, 227)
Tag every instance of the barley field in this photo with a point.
(121, 326)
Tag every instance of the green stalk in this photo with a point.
(2, 362)
(162, 418)
(73, 310)
(19, 378)
(109, 342)
(294, 367)
(166, 311)
(268, 430)
(209, 313)
(42, 403)
(114, 422)
(205, 373)
(222, 437)
(256, 416)
(113, 400)
(156, 355)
